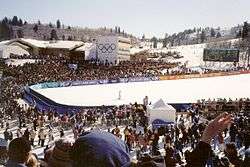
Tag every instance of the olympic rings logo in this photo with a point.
(106, 48)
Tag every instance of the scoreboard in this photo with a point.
(221, 55)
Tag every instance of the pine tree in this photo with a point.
(15, 21)
(5, 21)
(50, 25)
(20, 22)
(119, 30)
(69, 38)
(245, 30)
(154, 40)
(35, 28)
(203, 36)
(164, 42)
(6, 32)
(58, 24)
(53, 35)
(218, 35)
(39, 22)
(212, 32)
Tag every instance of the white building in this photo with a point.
(6, 50)
(89, 49)
(113, 49)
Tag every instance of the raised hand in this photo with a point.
(216, 126)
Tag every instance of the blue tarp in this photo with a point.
(181, 106)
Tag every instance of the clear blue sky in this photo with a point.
(152, 17)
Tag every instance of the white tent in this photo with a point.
(161, 113)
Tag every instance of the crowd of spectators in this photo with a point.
(37, 57)
(45, 70)
(212, 107)
(16, 77)
(55, 70)
(192, 141)
(186, 143)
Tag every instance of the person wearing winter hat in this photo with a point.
(18, 152)
(61, 154)
(100, 149)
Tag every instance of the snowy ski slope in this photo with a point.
(171, 91)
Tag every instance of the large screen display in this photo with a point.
(221, 55)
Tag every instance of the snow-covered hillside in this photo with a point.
(192, 54)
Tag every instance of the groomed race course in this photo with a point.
(171, 91)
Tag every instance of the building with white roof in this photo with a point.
(67, 49)
(38, 47)
(7, 50)
(111, 49)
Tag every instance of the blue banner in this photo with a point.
(91, 82)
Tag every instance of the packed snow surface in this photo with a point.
(171, 91)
